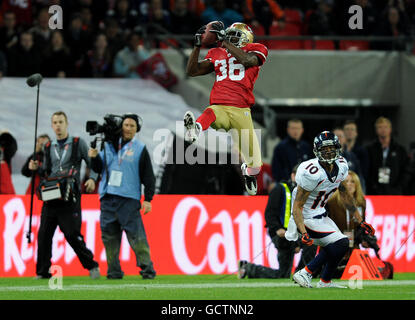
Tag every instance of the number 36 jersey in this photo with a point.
(234, 83)
(311, 176)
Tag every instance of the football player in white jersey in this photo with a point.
(317, 179)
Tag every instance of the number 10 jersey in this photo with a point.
(234, 83)
(311, 176)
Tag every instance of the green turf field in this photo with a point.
(200, 287)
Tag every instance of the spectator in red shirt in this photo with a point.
(22, 9)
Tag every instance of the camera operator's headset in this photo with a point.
(136, 118)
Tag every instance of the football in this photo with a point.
(209, 38)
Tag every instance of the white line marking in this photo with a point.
(150, 286)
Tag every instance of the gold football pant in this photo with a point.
(239, 122)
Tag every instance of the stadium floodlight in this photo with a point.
(32, 81)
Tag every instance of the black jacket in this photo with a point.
(398, 162)
(286, 155)
(275, 209)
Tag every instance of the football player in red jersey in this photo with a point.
(236, 63)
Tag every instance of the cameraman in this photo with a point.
(125, 164)
(58, 161)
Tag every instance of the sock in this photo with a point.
(206, 118)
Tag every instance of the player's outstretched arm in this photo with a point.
(248, 59)
(198, 68)
(299, 201)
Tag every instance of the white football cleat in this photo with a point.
(250, 181)
(192, 129)
(330, 284)
(303, 278)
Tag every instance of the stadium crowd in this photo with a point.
(103, 38)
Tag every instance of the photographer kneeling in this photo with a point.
(125, 164)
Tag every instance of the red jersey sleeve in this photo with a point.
(259, 49)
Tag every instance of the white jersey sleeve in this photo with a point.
(308, 176)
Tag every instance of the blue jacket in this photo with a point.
(127, 162)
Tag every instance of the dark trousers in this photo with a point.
(120, 214)
(285, 259)
(68, 217)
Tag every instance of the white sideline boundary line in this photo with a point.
(156, 286)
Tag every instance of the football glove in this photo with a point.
(219, 29)
(198, 36)
(368, 228)
(305, 238)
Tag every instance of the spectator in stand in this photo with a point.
(388, 162)
(76, 38)
(394, 23)
(195, 7)
(41, 31)
(351, 158)
(41, 142)
(98, 8)
(290, 151)
(3, 64)
(87, 20)
(115, 38)
(128, 59)
(352, 145)
(96, 63)
(126, 17)
(183, 21)
(322, 20)
(217, 11)
(158, 15)
(24, 58)
(22, 10)
(57, 60)
(9, 35)
(370, 16)
(263, 12)
(410, 10)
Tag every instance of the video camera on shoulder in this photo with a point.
(110, 129)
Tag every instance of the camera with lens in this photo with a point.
(111, 128)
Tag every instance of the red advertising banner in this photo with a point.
(191, 235)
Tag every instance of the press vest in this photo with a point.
(126, 160)
(286, 209)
